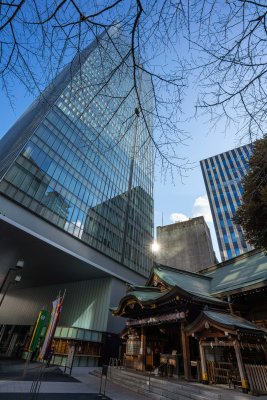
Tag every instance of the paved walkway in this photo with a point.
(52, 396)
(85, 387)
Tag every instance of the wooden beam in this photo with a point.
(186, 353)
(143, 349)
(241, 367)
(210, 335)
(204, 372)
(217, 344)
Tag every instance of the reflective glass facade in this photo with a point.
(85, 164)
(223, 176)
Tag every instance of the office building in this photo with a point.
(76, 194)
(186, 245)
(223, 175)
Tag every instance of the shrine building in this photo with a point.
(208, 326)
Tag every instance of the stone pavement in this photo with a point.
(84, 387)
(51, 396)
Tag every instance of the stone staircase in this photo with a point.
(169, 389)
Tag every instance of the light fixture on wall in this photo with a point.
(5, 285)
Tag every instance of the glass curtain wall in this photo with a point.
(223, 175)
(88, 166)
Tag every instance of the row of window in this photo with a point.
(77, 178)
(65, 210)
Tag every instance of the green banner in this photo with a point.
(41, 323)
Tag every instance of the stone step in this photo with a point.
(138, 389)
(168, 389)
(174, 393)
(144, 390)
(208, 392)
(159, 393)
(161, 388)
(162, 385)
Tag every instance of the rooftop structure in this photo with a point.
(186, 245)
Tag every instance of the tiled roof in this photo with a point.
(192, 283)
(144, 295)
(224, 321)
(233, 321)
(243, 271)
(187, 280)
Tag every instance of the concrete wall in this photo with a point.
(86, 304)
(117, 291)
(186, 245)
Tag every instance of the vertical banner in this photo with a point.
(42, 322)
(57, 305)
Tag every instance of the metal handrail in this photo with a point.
(115, 362)
(150, 373)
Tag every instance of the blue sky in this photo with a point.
(187, 197)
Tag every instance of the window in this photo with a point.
(229, 253)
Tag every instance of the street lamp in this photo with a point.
(20, 264)
(17, 279)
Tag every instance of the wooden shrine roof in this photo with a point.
(190, 282)
(166, 284)
(225, 321)
(233, 276)
(238, 274)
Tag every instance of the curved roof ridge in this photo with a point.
(224, 319)
(145, 288)
(230, 261)
(232, 319)
(181, 271)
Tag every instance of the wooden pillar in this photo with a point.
(230, 305)
(143, 349)
(241, 367)
(186, 353)
(204, 372)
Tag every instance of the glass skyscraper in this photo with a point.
(223, 176)
(81, 156)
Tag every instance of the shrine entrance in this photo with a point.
(157, 315)
(163, 348)
(225, 341)
(176, 327)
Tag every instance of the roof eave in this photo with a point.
(241, 289)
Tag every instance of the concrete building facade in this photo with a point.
(74, 170)
(185, 245)
(223, 175)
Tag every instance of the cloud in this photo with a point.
(201, 207)
(178, 217)
(76, 227)
(79, 224)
